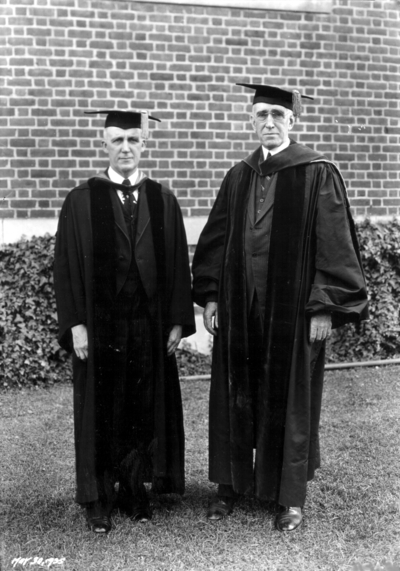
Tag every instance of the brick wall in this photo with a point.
(61, 57)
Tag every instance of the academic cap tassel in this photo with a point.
(145, 124)
(296, 100)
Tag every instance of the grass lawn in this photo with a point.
(351, 516)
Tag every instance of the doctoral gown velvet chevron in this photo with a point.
(313, 266)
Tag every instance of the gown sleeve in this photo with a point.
(339, 285)
(180, 304)
(209, 253)
(68, 283)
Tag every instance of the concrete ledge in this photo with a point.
(12, 229)
(193, 226)
(200, 341)
(281, 5)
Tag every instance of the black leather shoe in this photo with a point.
(141, 511)
(97, 517)
(99, 524)
(221, 507)
(135, 505)
(289, 519)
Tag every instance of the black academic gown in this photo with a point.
(313, 266)
(92, 260)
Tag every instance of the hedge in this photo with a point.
(28, 326)
(379, 337)
(28, 320)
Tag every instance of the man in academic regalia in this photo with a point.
(122, 283)
(277, 267)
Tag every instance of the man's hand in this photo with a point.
(80, 341)
(320, 327)
(175, 335)
(210, 311)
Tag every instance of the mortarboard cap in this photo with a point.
(126, 119)
(277, 96)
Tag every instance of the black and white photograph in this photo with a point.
(200, 285)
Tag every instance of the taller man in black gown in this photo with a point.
(122, 285)
(277, 266)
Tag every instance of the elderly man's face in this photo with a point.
(272, 124)
(124, 148)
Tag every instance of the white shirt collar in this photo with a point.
(276, 150)
(115, 177)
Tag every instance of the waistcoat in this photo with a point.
(133, 284)
(257, 237)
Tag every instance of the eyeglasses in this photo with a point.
(276, 116)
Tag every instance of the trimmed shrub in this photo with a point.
(28, 324)
(28, 321)
(379, 337)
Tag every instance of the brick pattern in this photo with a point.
(61, 57)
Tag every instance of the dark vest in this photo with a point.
(133, 285)
(257, 237)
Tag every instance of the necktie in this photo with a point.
(129, 198)
(262, 190)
